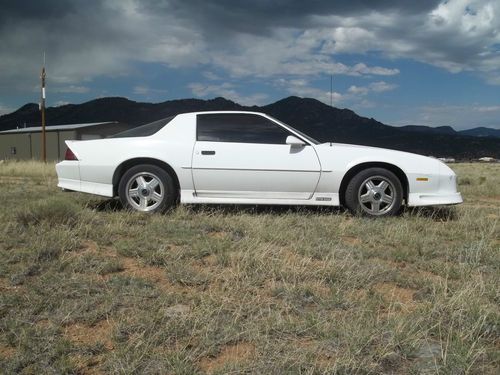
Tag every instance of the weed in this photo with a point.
(52, 211)
(87, 287)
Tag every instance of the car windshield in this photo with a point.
(144, 130)
(310, 139)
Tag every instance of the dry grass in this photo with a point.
(88, 288)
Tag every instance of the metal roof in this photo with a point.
(34, 129)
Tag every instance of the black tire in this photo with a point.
(147, 188)
(374, 192)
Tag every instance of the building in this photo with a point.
(26, 143)
(487, 159)
(447, 160)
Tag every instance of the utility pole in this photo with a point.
(331, 90)
(42, 109)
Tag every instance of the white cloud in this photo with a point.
(303, 88)
(211, 76)
(457, 35)
(382, 86)
(493, 108)
(361, 68)
(458, 116)
(60, 103)
(228, 91)
(354, 96)
(377, 87)
(147, 91)
(70, 89)
(356, 90)
(286, 52)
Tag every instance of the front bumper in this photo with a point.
(425, 199)
(441, 189)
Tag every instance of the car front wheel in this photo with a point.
(147, 188)
(374, 192)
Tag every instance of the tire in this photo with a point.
(374, 192)
(147, 188)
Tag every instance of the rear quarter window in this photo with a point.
(144, 130)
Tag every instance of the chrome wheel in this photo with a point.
(144, 191)
(377, 195)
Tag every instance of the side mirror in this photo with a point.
(294, 141)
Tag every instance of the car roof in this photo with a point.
(217, 112)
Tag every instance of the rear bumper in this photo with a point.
(105, 190)
(68, 173)
(71, 185)
(421, 199)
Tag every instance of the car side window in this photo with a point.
(239, 128)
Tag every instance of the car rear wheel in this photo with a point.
(374, 192)
(147, 188)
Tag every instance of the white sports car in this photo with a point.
(250, 158)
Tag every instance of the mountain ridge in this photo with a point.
(308, 115)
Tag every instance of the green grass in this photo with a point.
(88, 288)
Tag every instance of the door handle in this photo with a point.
(208, 152)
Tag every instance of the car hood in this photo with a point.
(364, 148)
(335, 155)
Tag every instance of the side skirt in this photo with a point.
(318, 199)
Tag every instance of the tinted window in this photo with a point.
(310, 139)
(240, 128)
(144, 130)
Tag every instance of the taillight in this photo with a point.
(69, 155)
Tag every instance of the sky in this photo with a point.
(425, 62)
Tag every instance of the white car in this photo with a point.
(250, 158)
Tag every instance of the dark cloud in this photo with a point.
(260, 38)
(262, 16)
(14, 11)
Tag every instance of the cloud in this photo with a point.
(72, 89)
(303, 88)
(457, 35)
(106, 38)
(353, 96)
(211, 76)
(376, 87)
(458, 116)
(102, 38)
(60, 103)
(382, 86)
(264, 41)
(147, 91)
(228, 91)
(493, 108)
(356, 90)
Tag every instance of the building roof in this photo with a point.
(34, 129)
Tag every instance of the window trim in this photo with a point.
(280, 125)
(294, 131)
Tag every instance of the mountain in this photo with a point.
(475, 132)
(482, 132)
(110, 109)
(428, 129)
(310, 116)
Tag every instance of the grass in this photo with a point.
(89, 288)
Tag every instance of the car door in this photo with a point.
(239, 155)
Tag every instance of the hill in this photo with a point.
(311, 116)
(482, 132)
